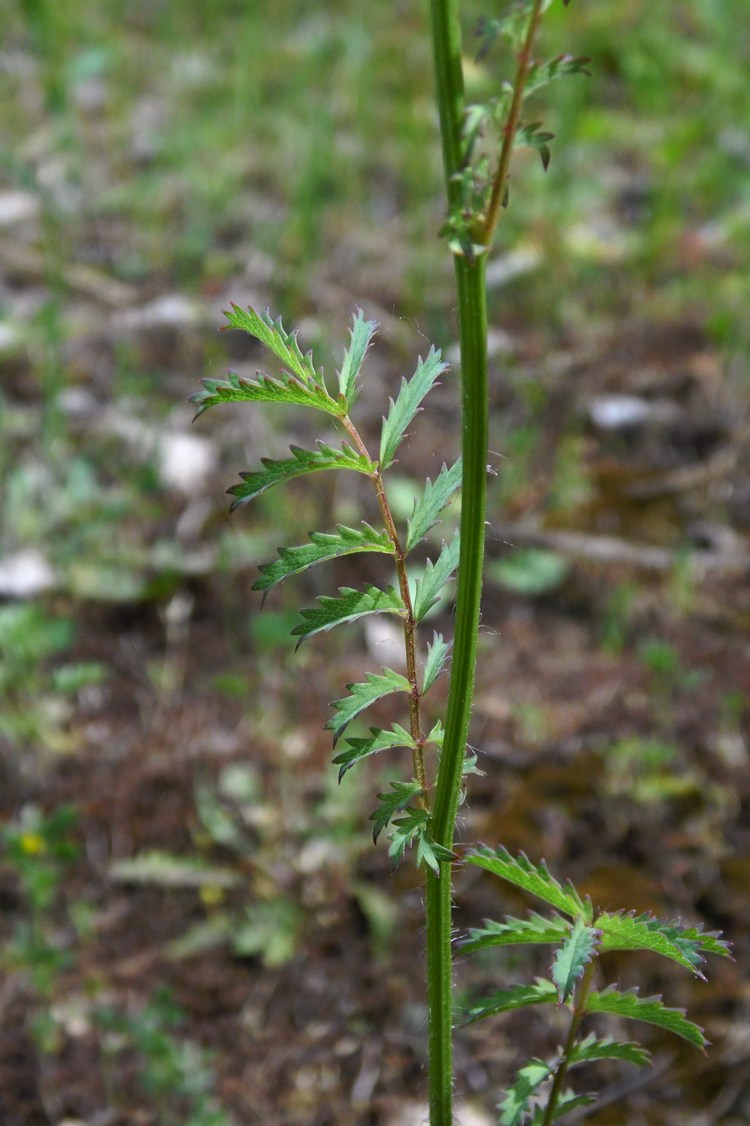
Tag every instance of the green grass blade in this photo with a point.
(275, 472)
(406, 405)
(433, 500)
(323, 546)
(649, 1009)
(533, 878)
(362, 332)
(374, 687)
(350, 605)
(573, 957)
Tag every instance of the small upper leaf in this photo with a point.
(403, 410)
(645, 932)
(374, 687)
(540, 74)
(432, 502)
(515, 1105)
(572, 958)
(391, 803)
(568, 1101)
(323, 546)
(264, 389)
(378, 740)
(511, 932)
(435, 577)
(533, 878)
(362, 333)
(351, 604)
(593, 1047)
(274, 472)
(516, 997)
(272, 334)
(437, 655)
(649, 1009)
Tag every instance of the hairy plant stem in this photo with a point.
(472, 326)
(409, 621)
(579, 1011)
(488, 222)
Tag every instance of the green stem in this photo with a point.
(473, 338)
(561, 1072)
(472, 325)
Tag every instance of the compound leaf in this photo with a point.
(593, 1047)
(272, 335)
(572, 958)
(511, 932)
(533, 878)
(403, 410)
(437, 655)
(515, 1106)
(351, 604)
(649, 1009)
(433, 500)
(322, 547)
(516, 997)
(435, 576)
(362, 332)
(274, 472)
(374, 687)
(378, 740)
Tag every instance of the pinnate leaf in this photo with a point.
(362, 332)
(274, 472)
(649, 1009)
(374, 687)
(432, 502)
(512, 932)
(272, 334)
(350, 605)
(593, 1047)
(378, 740)
(515, 1106)
(437, 655)
(516, 997)
(533, 878)
(322, 547)
(403, 410)
(572, 958)
(435, 577)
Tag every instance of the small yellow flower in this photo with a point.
(33, 844)
(211, 895)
